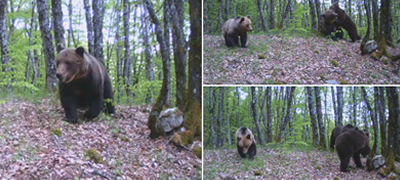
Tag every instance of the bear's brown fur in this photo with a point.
(83, 82)
(344, 21)
(245, 142)
(337, 131)
(233, 28)
(351, 143)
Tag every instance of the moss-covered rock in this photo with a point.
(93, 155)
(199, 153)
(56, 132)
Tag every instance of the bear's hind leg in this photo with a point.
(108, 96)
(356, 157)
(344, 163)
(230, 41)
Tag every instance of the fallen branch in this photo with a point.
(97, 172)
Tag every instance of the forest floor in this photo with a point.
(281, 163)
(29, 148)
(294, 60)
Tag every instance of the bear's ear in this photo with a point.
(323, 15)
(80, 51)
(60, 47)
(248, 16)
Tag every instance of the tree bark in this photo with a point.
(340, 104)
(3, 37)
(382, 119)
(162, 97)
(220, 102)
(272, 15)
(263, 22)
(58, 27)
(374, 123)
(269, 116)
(193, 106)
(180, 49)
(98, 13)
(355, 105)
(127, 59)
(322, 139)
(312, 115)
(149, 60)
(289, 96)
(312, 13)
(255, 116)
(47, 44)
(89, 26)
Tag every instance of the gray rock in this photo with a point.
(170, 119)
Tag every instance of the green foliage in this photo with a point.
(94, 155)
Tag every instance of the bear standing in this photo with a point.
(341, 19)
(351, 143)
(337, 131)
(83, 83)
(233, 28)
(245, 142)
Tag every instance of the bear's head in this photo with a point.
(329, 16)
(71, 64)
(245, 24)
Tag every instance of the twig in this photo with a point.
(97, 172)
(55, 139)
(170, 139)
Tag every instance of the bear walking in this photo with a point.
(233, 28)
(83, 83)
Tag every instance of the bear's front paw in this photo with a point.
(72, 120)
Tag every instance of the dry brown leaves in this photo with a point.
(275, 164)
(295, 60)
(29, 150)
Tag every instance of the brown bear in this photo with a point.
(233, 28)
(337, 131)
(344, 21)
(327, 26)
(83, 83)
(351, 143)
(245, 142)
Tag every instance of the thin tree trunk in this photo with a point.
(228, 131)
(166, 19)
(262, 16)
(375, 17)
(89, 26)
(3, 37)
(162, 97)
(211, 112)
(382, 118)
(220, 102)
(47, 44)
(289, 98)
(340, 104)
(355, 105)
(30, 54)
(127, 59)
(180, 49)
(58, 24)
(360, 18)
(312, 13)
(221, 22)
(312, 115)
(98, 13)
(334, 106)
(255, 116)
(272, 15)
(149, 60)
(319, 118)
(269, 116)
(374, 122)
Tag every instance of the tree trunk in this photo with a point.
(166, 34)
(127, 60)
(374, 123)
(98, 13)
(312, 13)
(386, 24)
(262, 16)
(30, 54)
(180, 49)
(340, 104)
(192, 113)
(318, 8)
(149, 60)
(269, 116)
(70, 30)
(211, 112)
(375, 15)
(255, 116)
(289, 96)
(360, 18)
(221, 22)
(89, 26)
(228, 131)
(382, 118)
(118, 49)
(321, 126)
(3, 37)
(272, 15)
(334, 106)
(162, 97)
(220, 102)
(58, 27)
(47, 44)
(312, 115)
